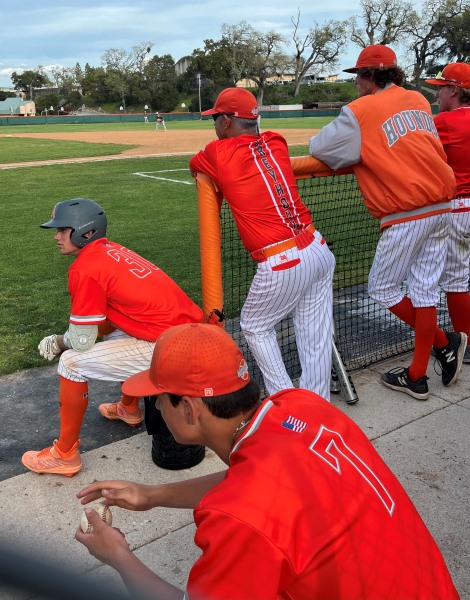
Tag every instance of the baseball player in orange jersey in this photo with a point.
(453, 126)
(114, 288)
(295, 269)
(307, 509)
(389, 137)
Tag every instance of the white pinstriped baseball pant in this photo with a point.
(306, 292)
(114, 359)
(414, 251)
(457, 267)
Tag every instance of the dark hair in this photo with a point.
(464, 95)
(230, 405)
(382, 76)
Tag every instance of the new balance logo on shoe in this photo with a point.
(397, 379)
(451, 357)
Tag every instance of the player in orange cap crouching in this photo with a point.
(306, 510)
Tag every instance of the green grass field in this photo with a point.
(196, 124)
(152, 209)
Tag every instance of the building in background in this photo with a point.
(17, 107)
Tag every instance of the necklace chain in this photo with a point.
(242, 425)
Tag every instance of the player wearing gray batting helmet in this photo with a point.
(115, 294)
(83, 216)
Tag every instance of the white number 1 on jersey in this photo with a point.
(330, 447)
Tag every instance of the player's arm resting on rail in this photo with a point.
(136, 496)
(77, 337)
(338, 144)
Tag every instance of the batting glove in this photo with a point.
(49, 348)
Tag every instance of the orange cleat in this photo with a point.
(53, 460)
(116, 411)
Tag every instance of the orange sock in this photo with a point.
(129, 402)
(424, 322)
(405, 311)
(459, 311)
(73, 402)
(425, 329)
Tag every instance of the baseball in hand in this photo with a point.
(104, 513)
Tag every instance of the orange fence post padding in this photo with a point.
(209, 204)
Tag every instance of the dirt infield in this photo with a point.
(148, 143)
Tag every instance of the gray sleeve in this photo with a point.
(338, 144)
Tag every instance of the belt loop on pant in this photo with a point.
(302, 240)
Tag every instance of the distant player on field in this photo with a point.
(306, 510)
(159, 121)
(389, 137)
(453, 126)
(115, 291)
(295, 269)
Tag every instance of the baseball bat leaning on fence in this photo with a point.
(344, 378)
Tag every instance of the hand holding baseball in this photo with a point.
(49, 348)
(104, 513)
(105, 543)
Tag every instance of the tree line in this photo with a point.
(428, 38)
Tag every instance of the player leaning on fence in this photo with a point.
(295, 269)
(389, 137)
(453, 126)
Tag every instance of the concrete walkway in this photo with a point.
(426, 444)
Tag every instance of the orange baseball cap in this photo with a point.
(375, 56)
(457, 74)
(194, 359)
(237, 102)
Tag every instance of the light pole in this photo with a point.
(199, 92)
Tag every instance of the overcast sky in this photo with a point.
(56, 33)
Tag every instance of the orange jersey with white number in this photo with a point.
(255, 176)
(308, 510)
(109, 282)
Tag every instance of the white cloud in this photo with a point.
(65, 34)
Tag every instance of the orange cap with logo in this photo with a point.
(194, 359)
(457, 74)
(376, 56)
(237, 102)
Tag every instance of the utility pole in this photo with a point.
(199, 92)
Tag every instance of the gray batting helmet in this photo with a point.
(82, 215)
